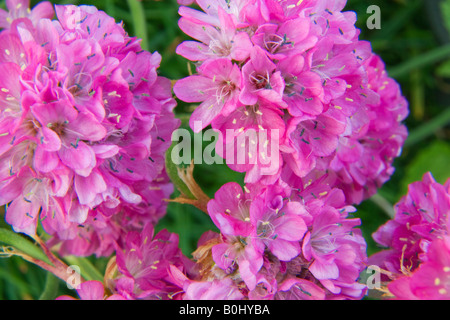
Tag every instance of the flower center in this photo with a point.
(220, 48)
(274, 42)
(225, 89)
(265, 230)
(260, 81)
(58, 128)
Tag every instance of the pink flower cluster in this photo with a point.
(296, 70)
(275, 243)
(140, 270)
(418, 242)
(278, 243)
(85, 121)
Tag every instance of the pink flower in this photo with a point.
(217, 87)
(421, 217)
(18, 9)
(203, 290)
(333, 249)
(92, 290)
(250, 139)
(431, 280)
(283, 243)
(312, 139)
(64, 136)
(277, 226)
(299, 289)
(303, 92)
(218, 36)
(261, 80)
(288, 38)
(364, 158)
(144, 260)
(231, 214)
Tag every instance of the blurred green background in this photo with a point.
(413, 41)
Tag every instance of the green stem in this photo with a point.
(51, 288)
(87, 269)
(24, 248)
(385, 205)
(172, 172)
(429, 128)
(14, 281)
(140, 25)
(420, 61)
(22, 244)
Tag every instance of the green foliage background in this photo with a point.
(413, 41)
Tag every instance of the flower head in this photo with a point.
(143, 262)
(420, 218)
(281, 243)
(325, 91)
(431, 280)
(85, 130)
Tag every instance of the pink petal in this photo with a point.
(205, 114)
(49, 140)
(324, 271)
(91, 290)
(54, 113)
(43, 10)
(87, 127)
(22, 214)
(78, 213)
(4, 24)
(77, 157)
(292, 228)
(193, 88)
(221, 257)
(193, 50)
(242, 47)
(284, 250)
(45, 161)
(105, 151)
(87, 188)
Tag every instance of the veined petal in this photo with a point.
(194, 88)
(205, 113)
(49, 140)
(86, 127)
(284, 250)
(45, 161)
(78, 156)
(22, 214)
(87, 188)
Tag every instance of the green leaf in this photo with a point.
(14, 281)
(445, 11)
(434, 159)
(51, 288)
(87, 269)
(420, 61)
(429, 128)
(444, 69)
(172, 172)
(22, 244)
(140, 25)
